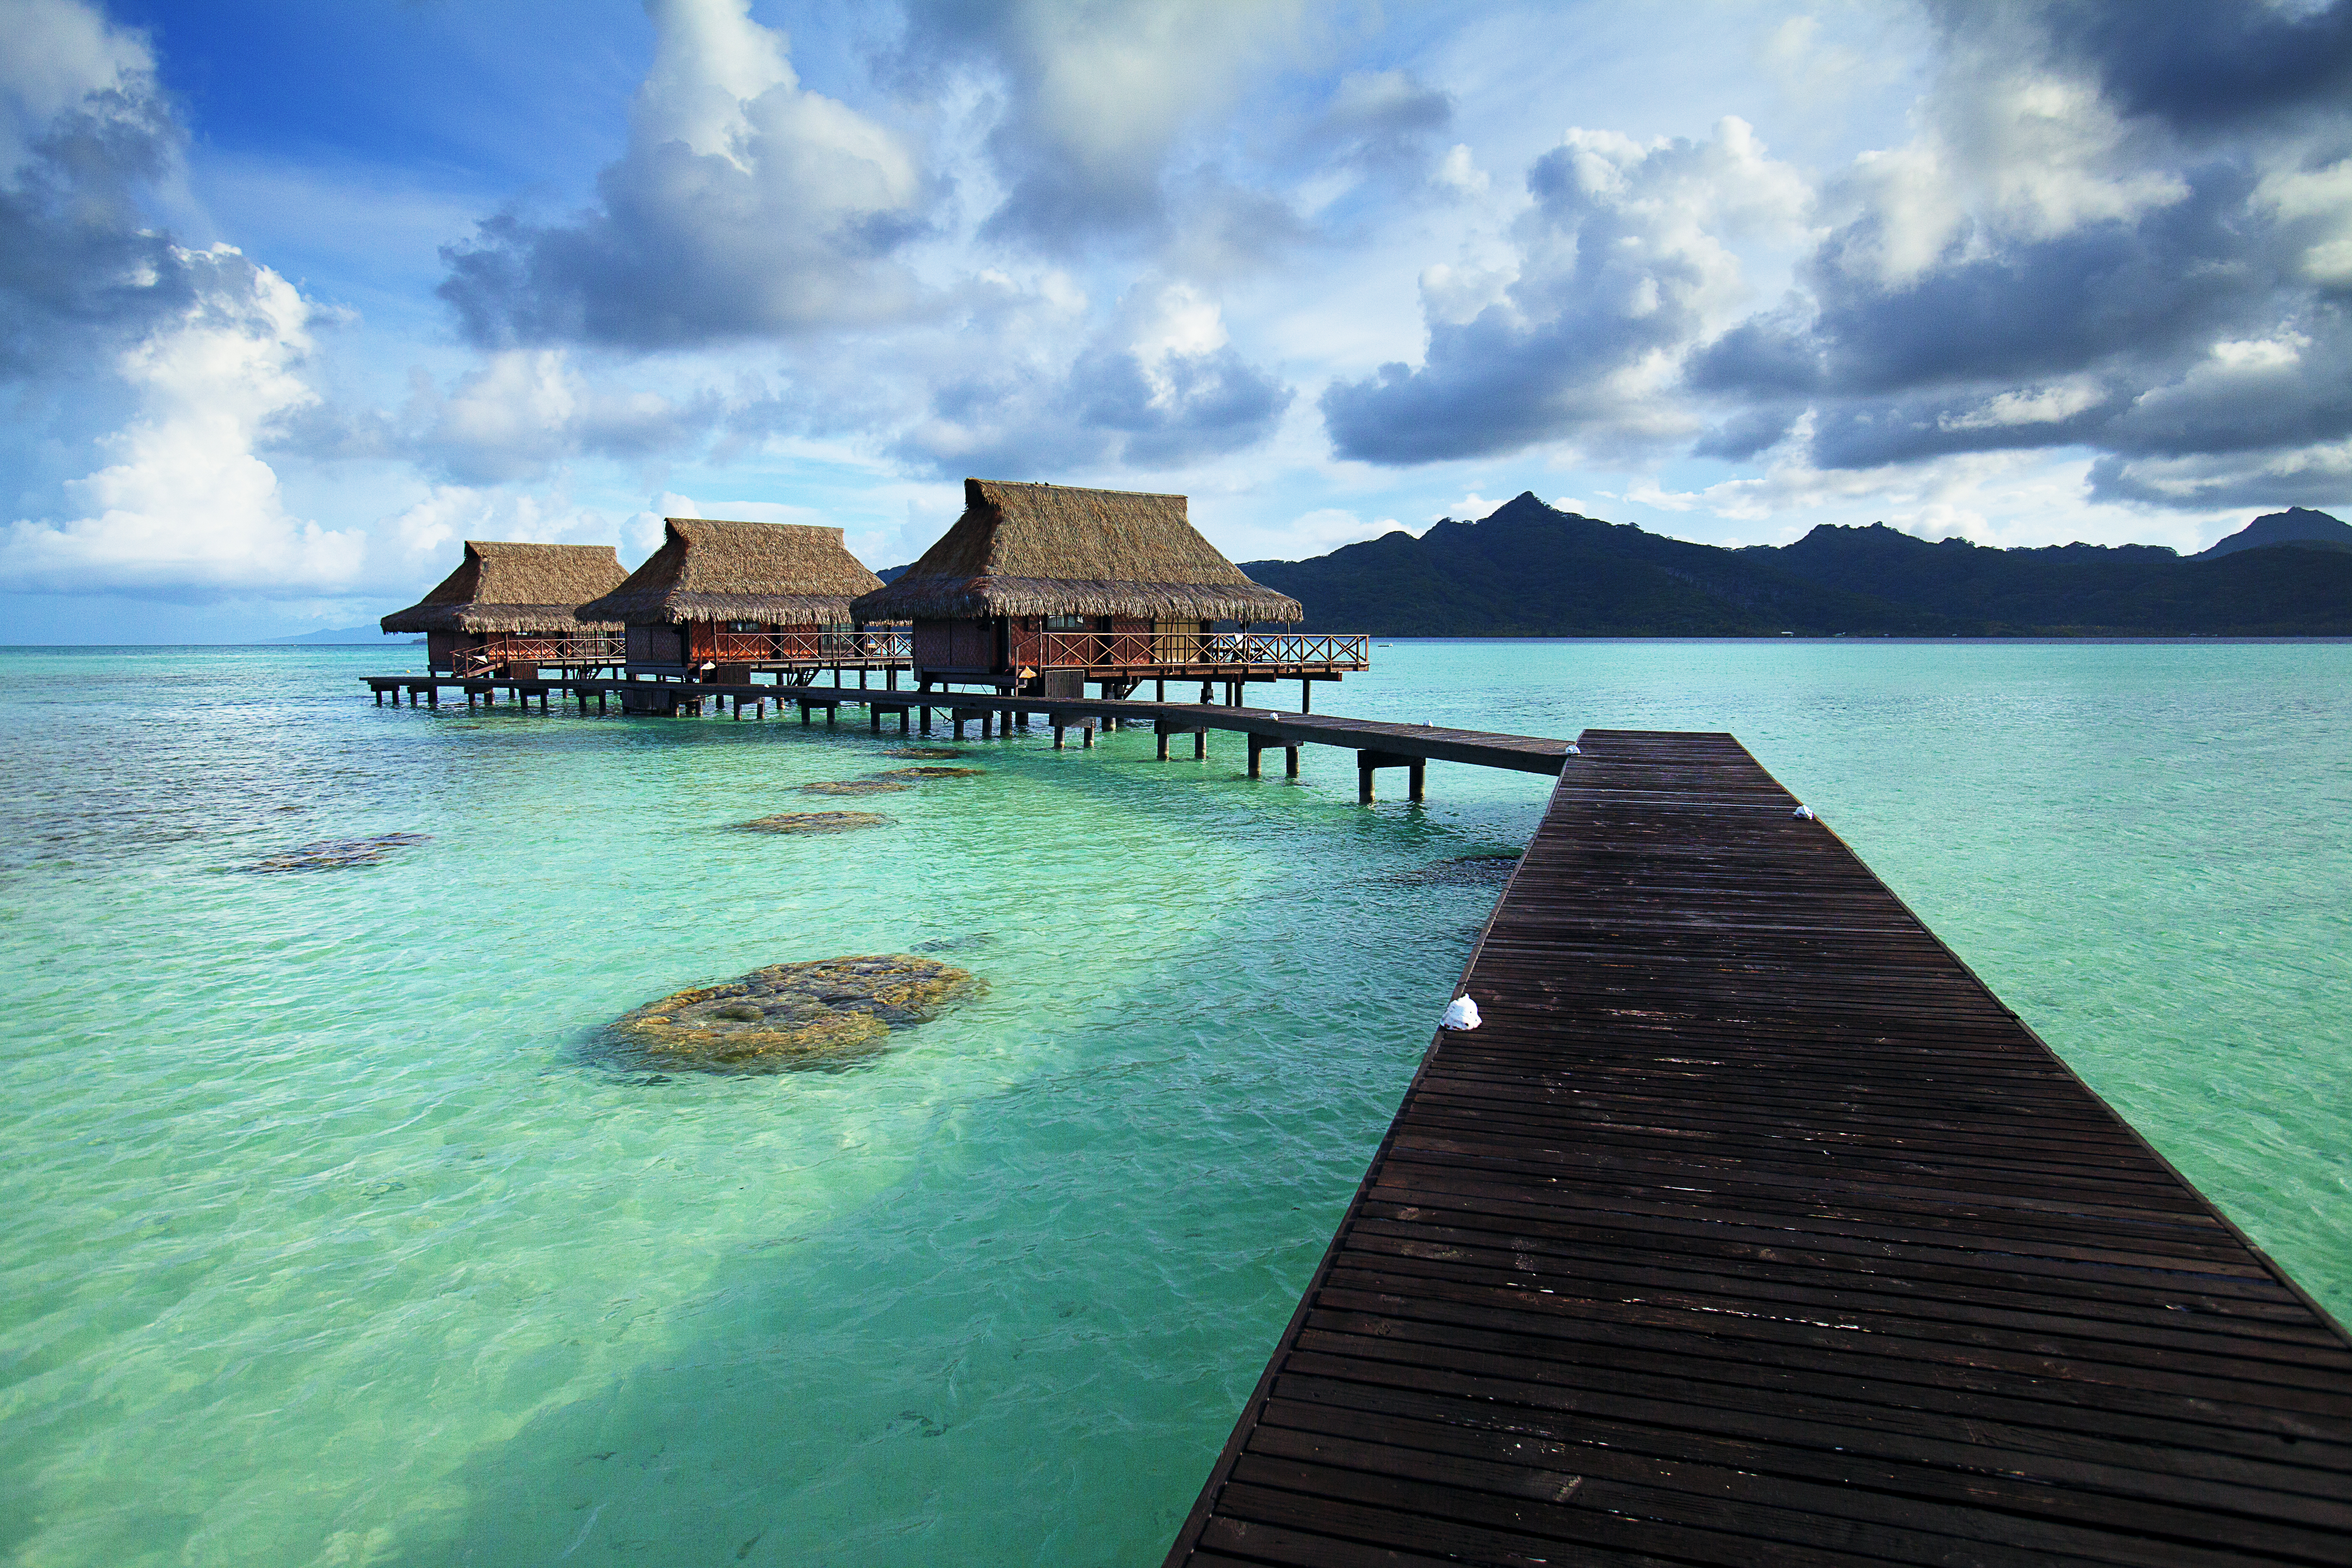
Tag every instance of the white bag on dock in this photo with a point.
(1461, 1015)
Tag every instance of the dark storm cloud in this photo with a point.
(2145, 259)
(2202, 481)
(82, 268)
(1762, 354)
(1744, 434)
(2151, 307)
(1858, 434)
(2206, 64)
(2144, 289)
(1609, 280)
(2196, 324)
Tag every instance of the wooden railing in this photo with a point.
(1131, 650)
(491, 658)
(811, 647)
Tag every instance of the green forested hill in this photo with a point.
(1529, 570)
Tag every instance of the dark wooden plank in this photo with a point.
(1752, 1227)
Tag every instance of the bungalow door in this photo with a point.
(1177, 642)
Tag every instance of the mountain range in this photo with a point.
(1528, 570)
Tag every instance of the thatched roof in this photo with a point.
(1049, 550)
(783, 573)
(502, 587)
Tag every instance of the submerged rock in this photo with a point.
(330, 853)
(815, 822)
(926, 753)
(932, 773)
(793, 1015)
(856, 786)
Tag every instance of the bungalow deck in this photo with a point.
(1233, 660)
(1752, 1227)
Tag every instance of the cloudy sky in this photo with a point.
(295, 296)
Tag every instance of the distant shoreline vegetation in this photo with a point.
(1527, 571)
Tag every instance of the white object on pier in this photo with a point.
(1461, 1015)
(1803, 814)
(1574, 750)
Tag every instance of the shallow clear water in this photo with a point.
(329, 1238)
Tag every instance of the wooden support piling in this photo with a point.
(1259, 745)
(1003, 713)
(1367, 761)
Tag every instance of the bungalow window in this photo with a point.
(747, 625)
(1067, 624)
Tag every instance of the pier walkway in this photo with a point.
(1751, 1228)
(1377, 745)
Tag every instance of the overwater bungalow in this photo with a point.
(721, 599)
(1040, 589)
(510, 608)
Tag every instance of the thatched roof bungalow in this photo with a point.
(509, 603)
(1037, 581)
(738, 593)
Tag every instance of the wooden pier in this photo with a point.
(1751, 1228)
(1376, 746)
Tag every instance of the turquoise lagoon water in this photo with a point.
(330, 1240)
